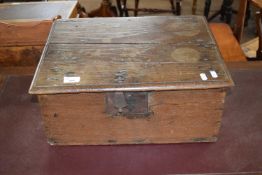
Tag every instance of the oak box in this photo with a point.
(131, 81)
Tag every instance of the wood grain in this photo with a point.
(99, 71)
(156, 52)
(157, 29)
(228, 45)
(24, 33)
(178, 116)
(163, 56)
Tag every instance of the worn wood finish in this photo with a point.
(154, 45)
(164, 57)
(97, 75)
(144, 30)
(81, 119)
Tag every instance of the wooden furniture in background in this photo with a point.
(194, 7)
(249, 46)
(258, 4)
(105, 10)
(123, 9)
(163, 83)
(225, 11)
(227, 43)
(24, 28)
(240, 21)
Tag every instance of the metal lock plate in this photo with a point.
(129, 104)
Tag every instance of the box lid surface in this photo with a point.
(130, 54)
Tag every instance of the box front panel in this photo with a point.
(176, 116)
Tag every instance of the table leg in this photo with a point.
(172, 6)
(259, 31)
(238, 29)
(207, 8)
(125, 8)
(119, 7)
(136, 7)
(194, 7)
(178, 7)
(227, 11)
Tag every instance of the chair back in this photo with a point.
(259, 32)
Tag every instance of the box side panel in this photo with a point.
(178, 116)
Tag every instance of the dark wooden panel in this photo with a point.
(81, 119)
(17, 70)
(20, 56)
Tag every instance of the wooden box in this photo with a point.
(24, 28)
(131, 81)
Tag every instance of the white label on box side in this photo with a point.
(71, 79)
(203, 76)
(213, 74)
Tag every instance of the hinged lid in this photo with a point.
(130, 54)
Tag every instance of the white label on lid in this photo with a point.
(213, 74)
(71, 79)
(203, 76)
